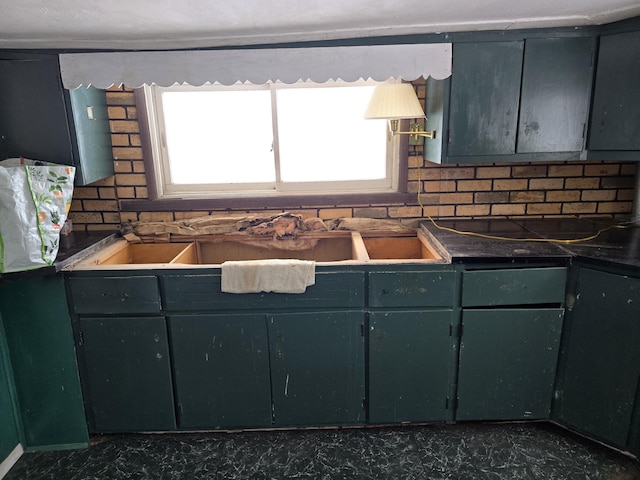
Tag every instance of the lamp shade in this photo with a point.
(394, 102)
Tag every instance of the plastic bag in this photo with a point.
(35, 198)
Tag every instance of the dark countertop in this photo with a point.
(617, 246)
(73, 248)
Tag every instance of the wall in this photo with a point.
(500, 190)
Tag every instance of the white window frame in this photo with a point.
(165, 189)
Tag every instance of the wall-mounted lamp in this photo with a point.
(395, 102)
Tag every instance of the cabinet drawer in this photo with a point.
(518, 286)
(106, 295)
(203, 293)
(411, 289)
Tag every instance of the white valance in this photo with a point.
(257, 66)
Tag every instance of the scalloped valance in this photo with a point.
(257, 66)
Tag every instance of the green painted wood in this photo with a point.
(411, 289)
(615, 118)
(436, 92)
(516, 286)
(508, 361)
(41, 347)
(555, 96)
(128, 384)
(120, 294)
(201, 292)
(409, 370)
(602, 358)
(221, 370)
(41, 120)
(91, 134)
(33, 117)
(485, 97)
(317, 368)
(633, 439)
(9, 437)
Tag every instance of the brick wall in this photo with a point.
(500, 190)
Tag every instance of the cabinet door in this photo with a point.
(92, 135)
(317, 368)
(615, 119)
(33, 117)
(221, 367)
(127, 374)
(40, 344)
(9, 438)
(602, 358)
(485, 97)
(556, 87)
(409, 365)
(508, 362)
(41, 120)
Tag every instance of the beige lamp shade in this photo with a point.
(394, 102)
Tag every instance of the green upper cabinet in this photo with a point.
(485, 96)
(556, 83)
(614, 132)
(41, 120)
(520, 100)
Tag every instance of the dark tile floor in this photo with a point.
(463, 451)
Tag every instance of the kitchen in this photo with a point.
(474, 190)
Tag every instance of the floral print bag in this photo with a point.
(35, 198)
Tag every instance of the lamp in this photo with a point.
(395, 102)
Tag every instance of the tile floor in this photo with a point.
(463, 451)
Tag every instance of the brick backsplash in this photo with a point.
(446, 191)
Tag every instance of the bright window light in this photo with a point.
(274, 139)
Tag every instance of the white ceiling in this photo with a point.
(168, 24)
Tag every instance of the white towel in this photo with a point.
(273, 275)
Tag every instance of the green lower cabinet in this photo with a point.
(508, 363)
(43, 361)
(599, 382)
(9, 438)
(221, 370)
(409, 365)
(317, 368)
(127, 381)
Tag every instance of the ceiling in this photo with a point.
(173, 24)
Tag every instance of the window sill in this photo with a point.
(260, 203)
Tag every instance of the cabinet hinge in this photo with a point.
(80, 337)
(362, 330)
(450, 330)
(365, 404)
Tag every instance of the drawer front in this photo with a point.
(411, 289)
(106, 295)
(203, 293)
(519, 286)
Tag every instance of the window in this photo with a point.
(268, 140)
